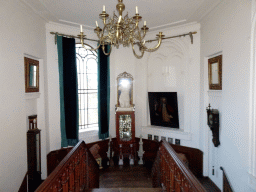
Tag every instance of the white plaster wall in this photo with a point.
(22, 33)
(227, 29)
(182, 61)
(121, 60)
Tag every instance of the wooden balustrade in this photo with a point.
(76, 172)
(171, 173)
(226, 184)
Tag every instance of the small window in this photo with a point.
(87, 67)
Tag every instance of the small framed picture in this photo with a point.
(155, 137)
(170, 140)
(177, 141)
(163, 138)
(149, 137)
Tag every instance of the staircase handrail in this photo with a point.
(170, 172)
(77, 171)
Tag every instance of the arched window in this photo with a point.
(87, 67)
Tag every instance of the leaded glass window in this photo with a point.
(87, 62)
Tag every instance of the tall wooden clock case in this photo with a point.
(125, 117)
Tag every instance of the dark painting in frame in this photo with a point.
(163, 108)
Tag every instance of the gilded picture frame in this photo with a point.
(215, 73)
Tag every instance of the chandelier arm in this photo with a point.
(144, 34)
(92, 49)
(137, 56)
(139, 33)
(103, 49)
(155, 48)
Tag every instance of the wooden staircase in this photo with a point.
(79, 171)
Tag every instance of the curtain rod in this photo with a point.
(148, 41)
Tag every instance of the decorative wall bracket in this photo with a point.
(214, 124)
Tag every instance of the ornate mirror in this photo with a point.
(125, 90)
(31, 75)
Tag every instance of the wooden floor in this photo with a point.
(126, 177)
(135, 178)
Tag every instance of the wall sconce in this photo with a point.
(214, 124)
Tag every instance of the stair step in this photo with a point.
(124, 190)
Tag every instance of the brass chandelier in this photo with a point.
(122, 30)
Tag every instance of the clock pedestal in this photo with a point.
(125, 134)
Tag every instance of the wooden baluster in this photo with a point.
(77, 174)
(59, 185)
(55, 187)
(82, 173)
(64, 181)
(168, 177)
(87, 170)
(185, 185)
(71, 176)
(172, 185)
(178, 181)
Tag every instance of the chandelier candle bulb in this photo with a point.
(137, 12)
(81, 28)
(97, 24)
(120, 18)
(104, 8)
(145, 23)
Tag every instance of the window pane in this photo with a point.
(93, 117)
(83, 117)
(83, 101)
(87, 88)
(92, 65)
(93, 101)
(92, 81)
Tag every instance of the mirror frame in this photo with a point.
(28, 62)
(128, 76)
(211, 61)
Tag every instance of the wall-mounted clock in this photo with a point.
(214, 124)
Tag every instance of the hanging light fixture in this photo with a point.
(122, 30)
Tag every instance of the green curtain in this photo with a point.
(69, 111)
(103, 93)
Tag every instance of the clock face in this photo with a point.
(210, 119)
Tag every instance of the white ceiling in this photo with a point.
(157, 13)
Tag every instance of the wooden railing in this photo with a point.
(76, 172)
(226, 184)
(23, 186)
(171, 173)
